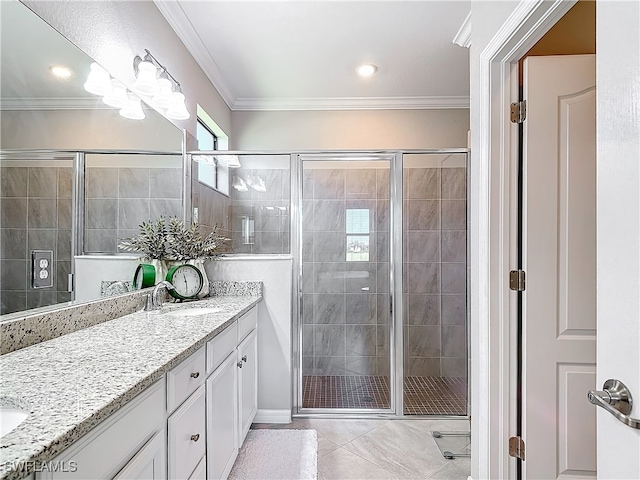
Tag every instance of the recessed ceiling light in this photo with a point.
(61, 71)
(366, 70)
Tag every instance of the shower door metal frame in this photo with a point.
(344, 156)
(396, 255)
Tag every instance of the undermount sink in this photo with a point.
(193, 312)
(11, 415)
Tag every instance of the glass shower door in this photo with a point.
(344, 308)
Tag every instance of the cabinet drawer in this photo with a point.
(247, 322)
(187, 442)
(221, 346)
(184, 379)
(108, 447)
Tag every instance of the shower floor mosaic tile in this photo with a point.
(423, 395)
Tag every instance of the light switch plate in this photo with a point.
(42, 268)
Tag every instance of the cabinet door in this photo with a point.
(187, 436)
(247, 383)
(148, 463)
(222, 418)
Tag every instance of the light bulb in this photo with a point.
(164, 98)
(133, 110)
(366, 70)
(146, 83)
(117, 98)
(178, 111)
(98, 82)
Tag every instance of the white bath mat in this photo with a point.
(277, 455)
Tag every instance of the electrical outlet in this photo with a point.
(195, 215)
(42, 268)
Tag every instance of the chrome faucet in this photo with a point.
(154, 301)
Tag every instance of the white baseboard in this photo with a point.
(272, 416)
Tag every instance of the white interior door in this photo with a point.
(618, 134)
(559, 304)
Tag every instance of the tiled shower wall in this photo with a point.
(345, 309)
(119, 199)
(269, 211)
(435, 268)
(35, 204)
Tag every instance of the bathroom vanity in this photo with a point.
(168, 394)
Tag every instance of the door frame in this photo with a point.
(494, 170)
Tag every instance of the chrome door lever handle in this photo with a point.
(616, 399)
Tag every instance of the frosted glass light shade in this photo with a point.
(146, 83)
(164, 98)
(178, 111)
(117, 98)
(230, 161)
(99, 81)
(133, 110)
(239, 184)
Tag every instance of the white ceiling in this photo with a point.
(303, 54)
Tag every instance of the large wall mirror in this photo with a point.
(57, 139)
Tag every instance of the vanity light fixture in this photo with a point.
(60, 71)
(239, 184)
(99, 81)
(230, 161)
(154, 80)
(367, 70)
(117, 97)
(133, 110)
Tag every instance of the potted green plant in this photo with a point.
(151, 242)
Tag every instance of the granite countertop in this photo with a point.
(72, 383)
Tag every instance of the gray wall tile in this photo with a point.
(361, 365)
(328, 216)
(454, 341)
(64, 213)
(423, 367)
(423, 309)
(64, 244)
(361, 340)
(165, 183)
(382, 183)
(101, 182)
(423, 277)
(101, 213)
(454, 277)
(43, 213)
(100, 241)
(324, 365)
(329, 340)
(41, 298)
(454, 367)
(360, 183)
(329, 246)
(454, 183)
(328, 183)
(13, 274)
(423, 183)
(423, 246)
(454, 309)
(43, 182)
(454, 215)
(423, 341)
(13, 243)
(423, 215)
(361, 277)
(65, 183)
(13, 213)
(328, 278)
(133, 183)
(12, 301)
(454, 246)
(13, 181)
(132, 212)
(361, 308)
(329, 308)
(41, 239)
(166, 207)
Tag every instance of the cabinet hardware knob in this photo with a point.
(195, 437)
(244, 358)
(195, 375)
(239, 364)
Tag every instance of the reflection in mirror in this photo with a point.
(39, 111)
(255, 215)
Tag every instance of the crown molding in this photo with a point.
(463, 37)
(351, 103)
(53, 103)
(179, 22)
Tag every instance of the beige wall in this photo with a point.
(113, 32)
(364, 129)
(87, 129)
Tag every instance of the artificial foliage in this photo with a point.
(173, 241)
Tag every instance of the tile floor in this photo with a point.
(423, 395)
(382, 449)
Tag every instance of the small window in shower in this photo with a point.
(357, 226)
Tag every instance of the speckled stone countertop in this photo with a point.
(74, 382)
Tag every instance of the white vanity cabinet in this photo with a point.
(129, 444)
(188, 425)
(232, 394)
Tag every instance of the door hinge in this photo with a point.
(516, 280)
(516, 448)
(518, 111)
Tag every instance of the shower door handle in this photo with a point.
(616, 399)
